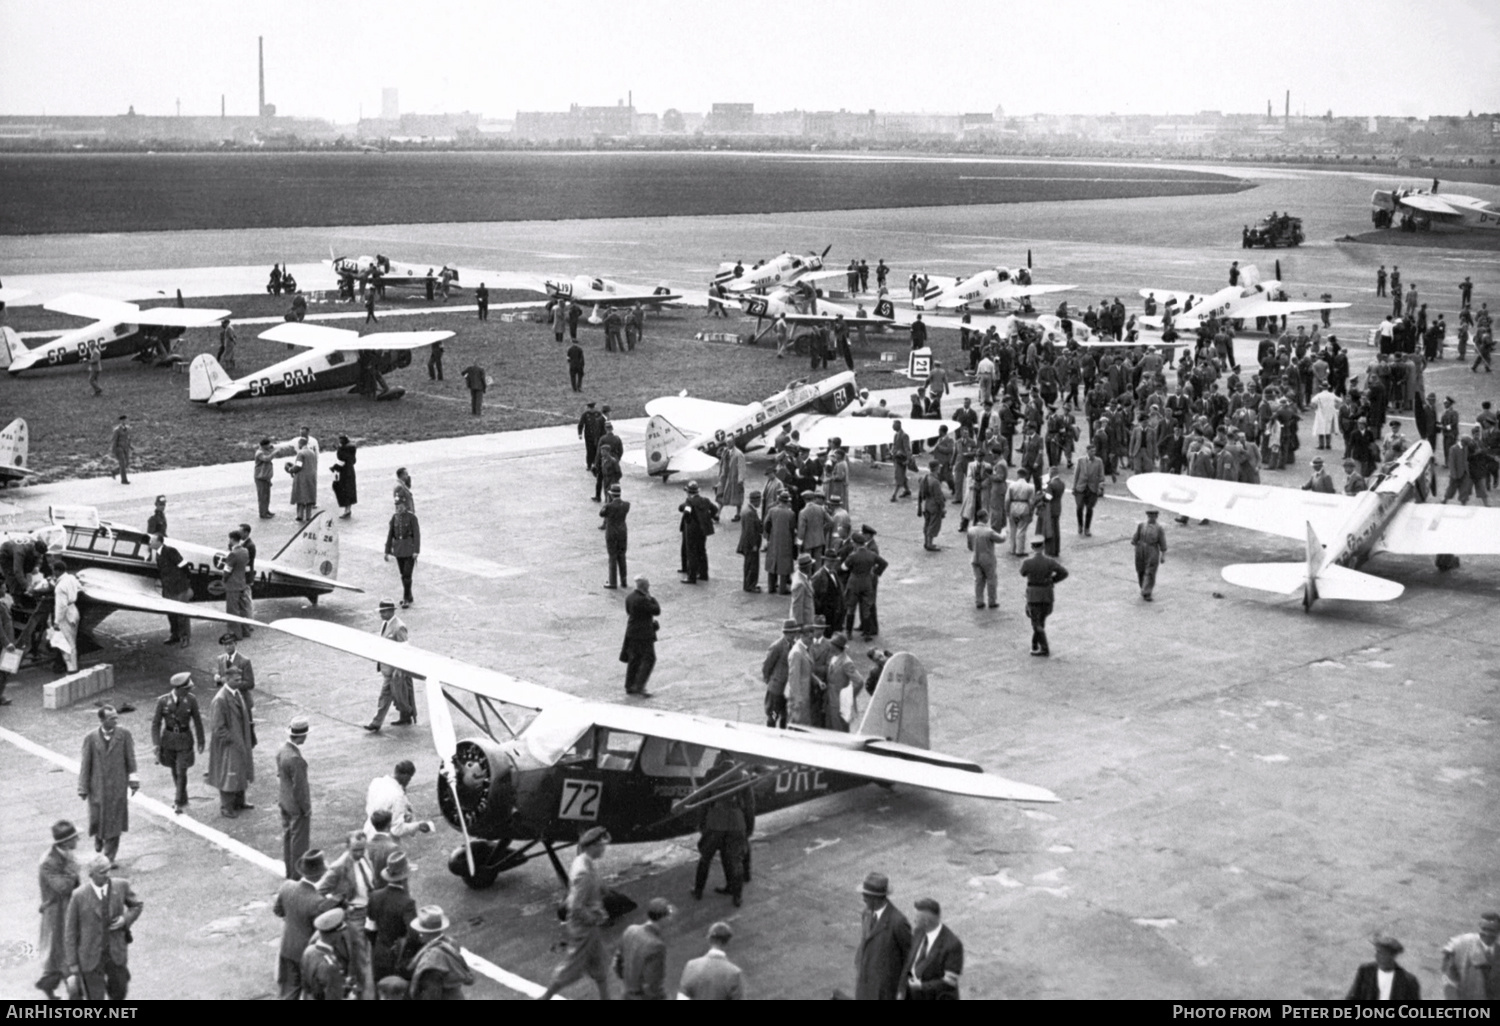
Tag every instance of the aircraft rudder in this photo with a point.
(663, 440)
(313, 547)
(14, 444)
(898, 708)
(11, 346)
(204, 376)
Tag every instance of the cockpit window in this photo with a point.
(618, 750)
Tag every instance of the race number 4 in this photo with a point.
(580, 800)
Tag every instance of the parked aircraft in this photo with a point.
(378, 271)
(546, 766)
(1428, 209)
(596, 292)
(682, 436)
(120, 329)
(783, 269)
(1249, 299)
(335, 358)
(802, 307)
(993, 288)
(1392, 516)
(14, 453)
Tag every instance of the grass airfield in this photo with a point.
(1248, 791)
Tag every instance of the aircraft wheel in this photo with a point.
(486, 867)
(1446, 562)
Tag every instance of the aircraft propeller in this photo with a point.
(445, 739)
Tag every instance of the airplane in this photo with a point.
(116, 570)
(682, 434)
(1392, 516)
(638, 772)
(1250, 299)
(120, 329)
(14, 446)
(335, 358)
(783, 269)
(990, 289)
(1428, 209)
(1052, 326)
(379, 271)
(802, 306)
(601, 292)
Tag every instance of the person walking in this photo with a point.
(982, 539)
(1150, 542)
(616, 536)
(237, 585)
(97, 931)
(294, 798)
(641, 961)
(120, 447)
(590, 429)
(932, 505)
(937, 959)
(435, 361)
(575, 366)
(370, 306)
(477, 382)
(1041, 572)
(884, 943)
(106, 779)
(231, 765)
(95, 358)
(403, 539)
(1088, 489)
(586, 919)
(638, 652)
(58, 876)
(1020, 503)
(712, 976)
(723, 829)
(396, 683)
(345, 478)
(173, 725)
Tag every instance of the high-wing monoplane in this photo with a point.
(682, 436)
(992, 289)
(1392, 516)
(1247, 300)
(544, 766)
(334, 358)
(15, 448)
(120, 329)
(117, 570)
(380, 272)
(782, 269)
(1430, 209)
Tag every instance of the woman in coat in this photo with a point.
(304, 471)
(345, 486)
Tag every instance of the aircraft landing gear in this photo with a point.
(491, 858)
(1446, 562)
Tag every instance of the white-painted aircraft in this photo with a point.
(1081, 335)
(120, 329)
(802, 307)
(544, 766)
(682, 436)
(782, 269)
(335, 358)
(1430, 209)
(586, 290)
(1250, 299)
(15, 448)
(379, 270)
(1392, 516)
(993, 288)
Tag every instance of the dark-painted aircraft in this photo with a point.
(120, 329)
(15, 444)
(543, 766)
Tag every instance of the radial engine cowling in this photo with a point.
(486, 790)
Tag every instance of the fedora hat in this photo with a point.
(430, 919)
(876, 885)
(396, 867)
(63, 831)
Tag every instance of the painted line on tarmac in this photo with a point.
(260, 860)
(461, 562)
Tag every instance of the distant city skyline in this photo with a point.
(1354, 57)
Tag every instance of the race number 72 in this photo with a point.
(580, 800)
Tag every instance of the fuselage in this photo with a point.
(1362, 534)
(109, 340)
(603, 292)
(313, 371)
(826, 398)
(973, 290)
(780, 270)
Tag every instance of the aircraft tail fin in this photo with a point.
(14, 445)
(1339, 582)
(663, 441)
(11, 346)
(885, 308)
(1282, 578)
(898, 709)
(314, 547)
(204, 377)
(1316, 580)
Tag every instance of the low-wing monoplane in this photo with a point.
(334, 358)
(120, 329)
(1251, 298)
(992, 289)
(682, 436)
(782, 269)
(586, 290)
(382, 274)
(15, 453)
(803, 307)
(1430, 209)
(1392, 516)
(544, 766)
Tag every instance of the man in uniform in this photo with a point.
(638, 652)
(172, 729)
(106, 779)
(616, 536)
(641, 962)
(725, 826)
(294, 800)
(590, 429)
(96, 928)
(1150, 543)
(712, 976)
(231, 767)
(298, 903)
(900, 457)
(884, 943)
(863, 565)
(58, 875)
(1041, 572)
(932, 504)
(403, 540)
(322, 971)
(586, 918)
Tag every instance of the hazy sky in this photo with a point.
(1052, 56)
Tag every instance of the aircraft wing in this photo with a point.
(694, 416)
(132, 591)
(853, 754)
(420, 663)
(94, 308)
(1278, 308)
(1009, 291)
(1431, 205)
(1432, 529)
(1164, 295)
(13, 295)
(316, 336)
(856, 432)
(1285, 512)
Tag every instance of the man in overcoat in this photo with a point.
(106, 780)
(231, 767)
(58, 875)
(97, 933)
(884, 943)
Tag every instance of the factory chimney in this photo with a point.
(260, 110)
